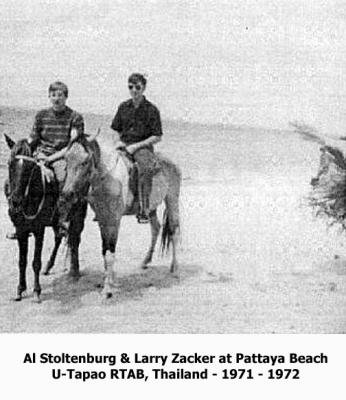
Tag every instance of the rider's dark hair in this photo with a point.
(58, 86)
(137, 77)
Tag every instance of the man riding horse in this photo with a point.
(53, 130)
(138, 124)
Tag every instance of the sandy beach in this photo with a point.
(253, 259)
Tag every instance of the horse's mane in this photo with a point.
(80, 146)
(104, 151)
(95, 149)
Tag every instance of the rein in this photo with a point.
(45, 173)
(26, 158)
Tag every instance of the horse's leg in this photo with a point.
(74, 236)
(37, 263)
(109, 236)
(57, 241)
(23, 255)
(155, 229)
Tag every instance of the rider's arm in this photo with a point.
(132, 148)
(61, 153)
(117, 127)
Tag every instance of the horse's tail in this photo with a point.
(171, 219)
(167, 233)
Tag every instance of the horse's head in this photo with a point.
(19, 167)
(80, 164)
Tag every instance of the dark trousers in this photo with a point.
(148, 166)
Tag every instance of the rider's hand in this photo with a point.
(42, 157)
(46, 160)
(120, 145)
(132, 148)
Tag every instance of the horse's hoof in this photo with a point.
(174, 272)
(47, 269)
(37, 298)
(74, 276)
(144, 266)
(20, 295)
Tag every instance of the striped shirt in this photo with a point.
(52, 129)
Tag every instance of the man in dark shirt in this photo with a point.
(138, 124)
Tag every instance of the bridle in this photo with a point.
(44, 175)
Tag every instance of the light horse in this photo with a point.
(33, 206)
(111, 195)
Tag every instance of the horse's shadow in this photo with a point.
(74, 293)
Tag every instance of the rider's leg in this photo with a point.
(146, 162)
(59, 168)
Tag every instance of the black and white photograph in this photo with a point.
(173, 167)
(182, 160)
(173, 198)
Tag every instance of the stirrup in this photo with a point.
(142, 218)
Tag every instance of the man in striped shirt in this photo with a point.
(54, 128)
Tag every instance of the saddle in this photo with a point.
(135, 186)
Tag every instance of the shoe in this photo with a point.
(142, 218)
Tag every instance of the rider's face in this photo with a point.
(136, 90)
(58, 99)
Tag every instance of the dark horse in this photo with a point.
(33, 206)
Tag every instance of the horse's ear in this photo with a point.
(9, 141)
